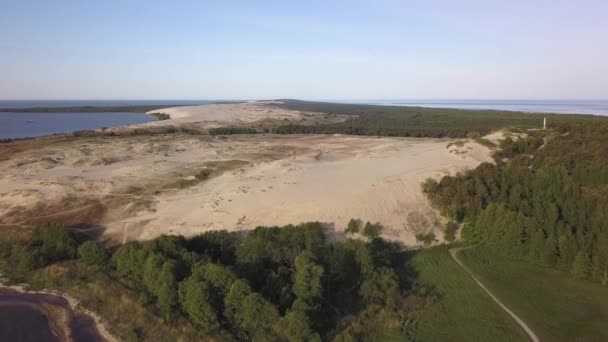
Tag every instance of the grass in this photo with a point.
(464, 311)
(554, 305)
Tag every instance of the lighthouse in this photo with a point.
(545, 123)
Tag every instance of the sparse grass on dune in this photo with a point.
(556, 306)
(464, 311)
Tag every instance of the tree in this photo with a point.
(257, 316)
(352, 227)
(55, 242)
(152, 268)
(296, 327)
(381, 287)
(166, 290)
(536, 246)
(307, 279)
(549, 252)
(249, 311)
(218, 276)
(581, 266)
(234, 300)
(129, 260)
(195, 300)
(470, 232)
(372, 231)
(567, 250)
(93, 254)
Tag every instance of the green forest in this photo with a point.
(545, 200)
(273, 284)
(405, 121)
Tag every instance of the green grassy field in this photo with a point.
(464, 311)
(556, 306)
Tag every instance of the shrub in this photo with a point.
(427, 239)
(161, 116)
(449, 233)
(26, 258)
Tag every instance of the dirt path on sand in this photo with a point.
(522, 324)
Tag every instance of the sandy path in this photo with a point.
(522, 324)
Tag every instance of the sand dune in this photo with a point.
(138, 187)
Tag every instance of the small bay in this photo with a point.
(28, 125)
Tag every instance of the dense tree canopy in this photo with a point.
(544, 202)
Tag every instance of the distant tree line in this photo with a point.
(405, 121)
(546, 205)
(229, 130)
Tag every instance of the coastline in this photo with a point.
(72, 303)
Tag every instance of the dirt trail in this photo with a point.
(522, 324)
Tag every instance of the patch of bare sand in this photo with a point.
(238, 112)
(332, 179)
(260, 115)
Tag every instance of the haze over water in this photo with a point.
(593, 107)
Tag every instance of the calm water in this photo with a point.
(595, 107)
(25, 125)
(95, 103)
(23, 318)
(25, 324)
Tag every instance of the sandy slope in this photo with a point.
(336, 179)
(240, 112)
(137, 187)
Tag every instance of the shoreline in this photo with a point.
(72, 303)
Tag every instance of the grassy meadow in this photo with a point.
(464, 312)
(556, 306)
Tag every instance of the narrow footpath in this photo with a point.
(522, 324)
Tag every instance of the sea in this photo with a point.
(591, 107)
(33, 124)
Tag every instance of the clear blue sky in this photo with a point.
(152, 49)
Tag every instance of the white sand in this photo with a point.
(372, 179)
(261, 180)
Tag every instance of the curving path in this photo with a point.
(522, 324)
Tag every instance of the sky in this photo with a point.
(230, 49)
